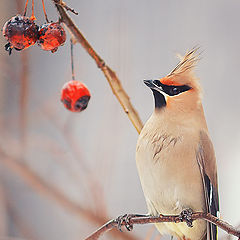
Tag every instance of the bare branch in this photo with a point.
(110, 75)
(64, 5)
(165, 218)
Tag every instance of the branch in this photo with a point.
(64, 5)
(110, 75)
(164, 218)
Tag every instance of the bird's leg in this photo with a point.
(125, 220)
(186, 216)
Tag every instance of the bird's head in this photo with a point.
(180, 89)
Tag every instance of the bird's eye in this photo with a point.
(174, 91)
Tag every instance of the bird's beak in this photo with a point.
(149, 83)
(152, 85)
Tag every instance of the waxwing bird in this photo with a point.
(175, 156)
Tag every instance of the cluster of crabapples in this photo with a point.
(22, 32)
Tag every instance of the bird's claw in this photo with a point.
(186, 216)
(124, 220)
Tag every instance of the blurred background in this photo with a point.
(64, 174)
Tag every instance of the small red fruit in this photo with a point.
(21, 32)
(51, 36)
(75, 96)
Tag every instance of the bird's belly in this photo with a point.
(171, 182)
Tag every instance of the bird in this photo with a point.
(175, 157)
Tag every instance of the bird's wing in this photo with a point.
(207, 164)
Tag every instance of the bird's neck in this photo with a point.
(165, 116)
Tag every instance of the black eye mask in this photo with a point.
(171, 90)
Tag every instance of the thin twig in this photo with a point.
(44, 10)
(25, 9)
(110, 75)
(165, 218)
(33, 16)
(64, 5)
(72, 61)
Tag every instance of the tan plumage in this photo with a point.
(174, 155)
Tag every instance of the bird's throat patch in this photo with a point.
(159, 98)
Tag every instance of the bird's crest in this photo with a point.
(183, 73)
(187, 62)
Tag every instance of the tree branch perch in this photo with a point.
(165, 218)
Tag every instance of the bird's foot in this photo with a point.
(186, 216)
(125, 220)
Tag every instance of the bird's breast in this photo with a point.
(168, 170)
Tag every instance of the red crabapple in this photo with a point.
(21, 33)
(75, 96)
(51, 36)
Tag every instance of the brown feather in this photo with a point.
(207, 164)
(208, 158)
(187, 62)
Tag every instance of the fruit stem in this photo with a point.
(25, 9)
(33, 16)
(44, 10)
(72, 63)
